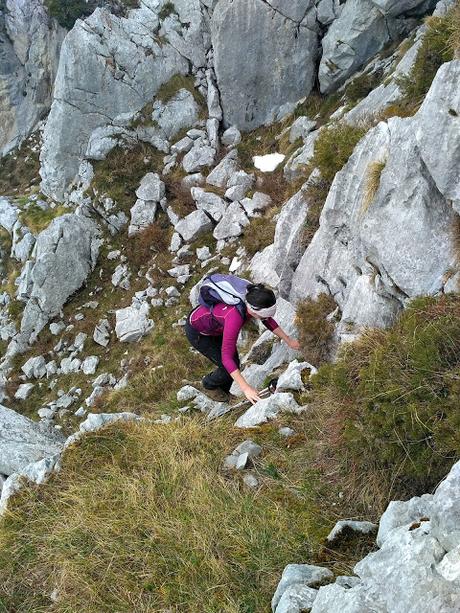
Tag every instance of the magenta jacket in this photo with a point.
(225, 321)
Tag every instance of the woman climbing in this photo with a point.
(227, 303)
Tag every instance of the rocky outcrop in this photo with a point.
(363, 29)
(29, 52)
(386, 230)
(417, 565)
(64, 255)
(112, 66)
(260, 74)
(23, 441)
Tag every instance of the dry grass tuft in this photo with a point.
(372, 183)
(453, 25)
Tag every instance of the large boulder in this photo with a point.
(375, 252)
(364, 28)
(23, 441)
(111, 66)
(417, 565)
(265, 55)
(29, 52)
(64, 255)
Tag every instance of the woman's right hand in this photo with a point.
(251, 394)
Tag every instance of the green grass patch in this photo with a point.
(167, 10)
(334, 147)
(36, 219)
(19, 170)
(315, 332)
(141, 518)
(398, 392)
(436, 48)
(169, 89)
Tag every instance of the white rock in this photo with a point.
(23, 391)
(89, 365)
(35, 368)
(268, 409)
(132, 323)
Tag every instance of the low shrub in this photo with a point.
(315, 331)
(361, 86)
(258, 235)
(66, 12)
(120, 174)
(399, 391)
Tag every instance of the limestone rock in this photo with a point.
(268, 409)
(243, 32)
(232, 223)
(221, 174)
(358, 34)
(199, 157)
(35, 368)
(23, 441)
(299, 575)
(132, 323)
(64, 255)
(31, 43)
(231, 137)
(296, 598)
(209, 202)
(385, 249)
(345, 525)
(291, 378)
(108, 66)
(193, 225)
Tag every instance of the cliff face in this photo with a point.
(160, 124)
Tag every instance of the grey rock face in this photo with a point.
(416, 567)
(232, 223)
(108, 66)
(386, 251)
(359, 33)
(64, 255)
(22, 441)
(439, 141)
(29, 52)
(397, 7)
(193, 225)
(260, 37)
(296, 598)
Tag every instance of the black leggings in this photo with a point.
(211, 347)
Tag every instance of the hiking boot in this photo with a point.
(217, 394)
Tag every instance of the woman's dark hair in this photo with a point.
(260, 296)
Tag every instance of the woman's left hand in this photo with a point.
(293, 344)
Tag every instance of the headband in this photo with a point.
(264, 313)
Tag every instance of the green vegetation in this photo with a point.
(315, 331)
(398, 391)
(167, 10)
(169, 89)
(141, 519)
(434, 51)
(334, 147)
(119, 175)
(19, 169)
(36, 219)
(361, 86)
(258, 234)
(66, 12)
